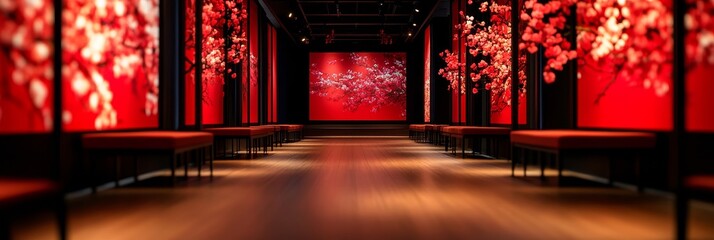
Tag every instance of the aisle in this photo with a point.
(370, 188)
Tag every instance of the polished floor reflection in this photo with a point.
(370, 188)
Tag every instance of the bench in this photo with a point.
(291, 132)
(462, 133)
(277, 134)
(558, 142)
(17, 196)
(252, 135)
(417, 132)
(173, 143)
(433, 132)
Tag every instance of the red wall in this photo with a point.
(99, 92)
(26, 91)
(373, 98)
(621, 98)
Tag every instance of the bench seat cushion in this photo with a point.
(239, 131)
(417, 127)
(582, 139)
(16, 190)
(433, 127)
(291, 127)
(700, 182)
(475, 130)
(146, 140)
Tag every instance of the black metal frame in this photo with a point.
(518, 154)
(253, 144)
(493, 142)
(176, 155)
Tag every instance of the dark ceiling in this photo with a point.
(360, 22)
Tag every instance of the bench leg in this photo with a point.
(514, 157)
(559, 161)
(173, 169)
(199, 160)
(525, 163)
(185, 165)
(611, 166)
(211, 161)
(463, 147)
(541, 162)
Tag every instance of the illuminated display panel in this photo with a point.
(26, 72)
(254, 73)
(358, 86)
(427, 75)
(699, 66)
(625, 68)
(110, 64)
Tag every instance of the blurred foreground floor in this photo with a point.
(370, 188)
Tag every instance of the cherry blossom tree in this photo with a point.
(367, 82)
(26, 61)
(634, 37)
(104, 43)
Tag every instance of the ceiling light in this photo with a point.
(414, 24)
(290, 15)
(416, 10)
(410, 34)
(304, 39)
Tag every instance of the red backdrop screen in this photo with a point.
(358, 86)
(625, 65)
(26, 74)
(700, 66)
(110, 61)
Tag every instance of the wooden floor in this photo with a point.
(368, 188)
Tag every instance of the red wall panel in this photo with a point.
(625, 86)
(26, 79)
(110, 75)
(358, 86)
(700, 67)
(427, 74)
(254, 54)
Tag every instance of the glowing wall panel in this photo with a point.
(700, 67)
(427, 74)
(625, 70)
(110, 64)
(254, 54)
(358, 86)
(213, 63)
(26, 74)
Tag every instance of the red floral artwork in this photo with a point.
(219, 48)
(490, 44)
(358, 86)
(544, 25)
(699, 61)
(625, 64)
(26, 74)
(110, 57)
